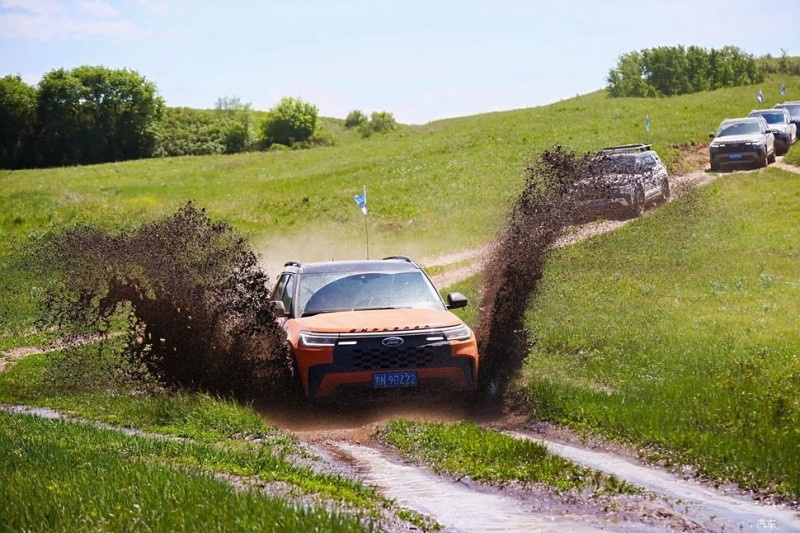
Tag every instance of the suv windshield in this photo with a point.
(794, 109)
(773, 118)
(738, 128)
(331, 292)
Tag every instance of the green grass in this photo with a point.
(679, 333)
(433, 188)
(464, 449)
(61, 476)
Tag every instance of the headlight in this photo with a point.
(458, 333)
(317, 340)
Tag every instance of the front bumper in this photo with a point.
(739, 155)
(351, 365)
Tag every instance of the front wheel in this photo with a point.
(771, 158)
(637, 205)
(665, 192)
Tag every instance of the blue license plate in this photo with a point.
(386, 380)
(735, 156)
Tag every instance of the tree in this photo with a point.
(17, 121)
(237, 136)
(290, 121)
(672, 70)
(95, 114)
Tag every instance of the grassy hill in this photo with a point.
(678, 332)
(433, 188)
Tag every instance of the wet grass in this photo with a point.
(464, 449)
(70, 477)
(679, 333)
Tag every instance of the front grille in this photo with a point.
(368, 353)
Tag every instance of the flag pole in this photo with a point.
(366, 221)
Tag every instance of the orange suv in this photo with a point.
(377, 324)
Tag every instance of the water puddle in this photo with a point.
(454, 505)
(703, 505)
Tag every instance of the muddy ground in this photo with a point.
(671, 500)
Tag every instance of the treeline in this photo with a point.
(93, 115)
(673, 70)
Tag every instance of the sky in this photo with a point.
(421, 60)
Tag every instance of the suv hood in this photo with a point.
(753, 137)
(380, 320)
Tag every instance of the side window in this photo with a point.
(277, 294)
(288, 294)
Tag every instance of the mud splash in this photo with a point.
(195, 299)
(514, 267)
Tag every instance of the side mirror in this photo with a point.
(278, 308)
(711, 135)
(456, 300)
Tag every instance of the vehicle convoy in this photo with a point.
(741, 141)
(780, 124)
(372, 325)
(624, 178)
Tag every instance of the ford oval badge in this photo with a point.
(392, 341)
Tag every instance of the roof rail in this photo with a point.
(293, 264)
(400, 258)
(627, 148)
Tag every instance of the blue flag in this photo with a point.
(760, 96)
(361, 201)
(647, 123)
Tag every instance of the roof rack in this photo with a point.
(627, 148)
(297, 264)
(400, 258)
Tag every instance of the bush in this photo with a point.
(355, 119)
(289, 122)
(379, 122)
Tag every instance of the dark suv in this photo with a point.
(367, 325)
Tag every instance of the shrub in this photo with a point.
(289, 122)
(379, 122)
(355, 119)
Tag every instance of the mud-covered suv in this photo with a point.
(625, 179)
(379, 324)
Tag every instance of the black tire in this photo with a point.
(771, 158)
(714, 167)
(665, 191)
(637, 207)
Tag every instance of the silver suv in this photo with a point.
(742, 141)
(780, 124)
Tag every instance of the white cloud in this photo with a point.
(98, 8)
(45, 20)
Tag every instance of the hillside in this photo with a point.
(439, 187)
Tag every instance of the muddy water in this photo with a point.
(704, 505)
(452, 504)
